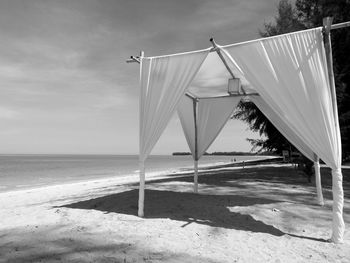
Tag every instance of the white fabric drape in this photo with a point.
(212, 115)
(164, 81)
(185, 111)
(290, 74)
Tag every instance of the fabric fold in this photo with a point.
(290, 74)
(164, 80)
(211, 116)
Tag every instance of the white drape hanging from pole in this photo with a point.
(164, 81)
(212, 115)
(186, 116)
(290, 74)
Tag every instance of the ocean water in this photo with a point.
(30, 171)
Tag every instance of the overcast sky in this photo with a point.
(64, 83)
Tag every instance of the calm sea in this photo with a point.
(31, 171)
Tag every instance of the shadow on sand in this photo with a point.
(211, 210)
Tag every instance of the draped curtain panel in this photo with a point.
(185, 111)
(212, 115)
(290, 74)
(163, 82)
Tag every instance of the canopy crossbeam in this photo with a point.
(218, 51)
(214, 49)
(191, 96)
(133, 59)
(340, 25)
(230, 95)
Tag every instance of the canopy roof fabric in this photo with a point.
(290, 74)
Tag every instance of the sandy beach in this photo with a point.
(263, 213)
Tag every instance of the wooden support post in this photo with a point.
(195, 179)
(141, 189)
(318, 181)
(337, 178)
(142, 171)
(340, 25)
(327, 22)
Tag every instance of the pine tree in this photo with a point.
(311, 14)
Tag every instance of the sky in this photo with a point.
(65, 86)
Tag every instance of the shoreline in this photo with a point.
(151, 175)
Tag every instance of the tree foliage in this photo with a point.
(311, 14)
(286, 21)
(307, 14)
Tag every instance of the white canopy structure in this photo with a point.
(290, 79)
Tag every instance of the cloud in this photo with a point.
(6, 113)
(63, 62)
(8, 71)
